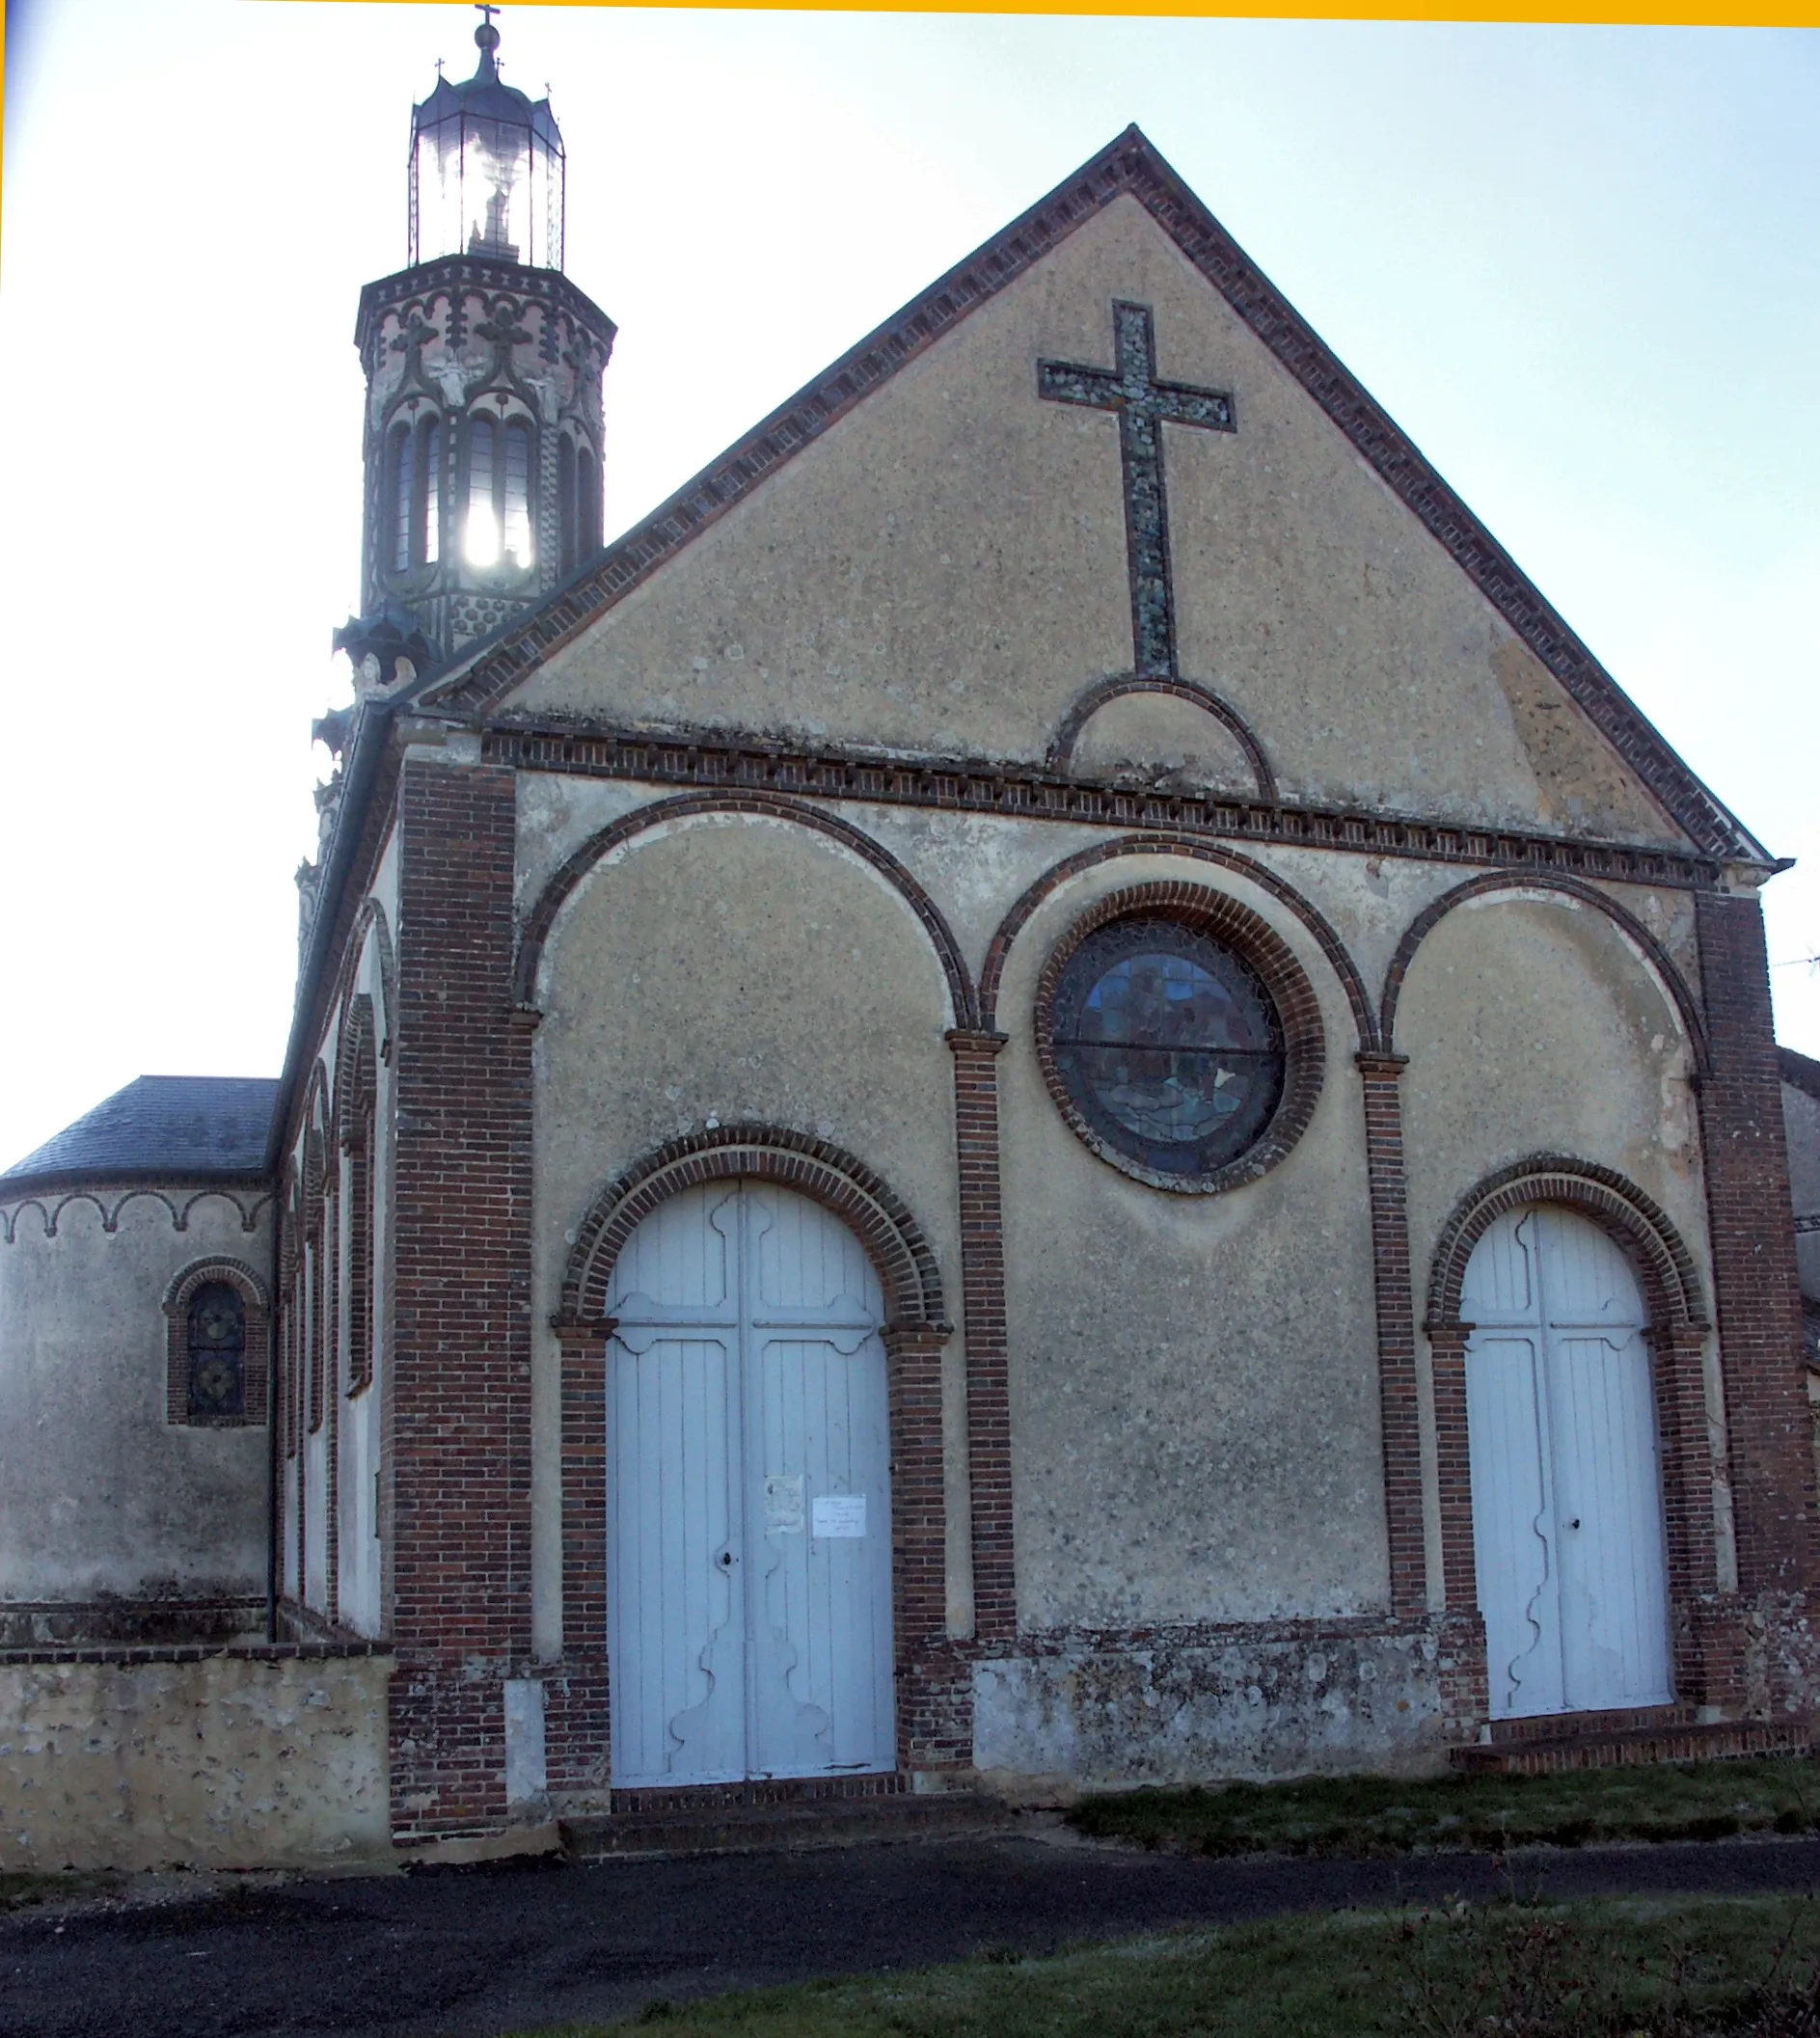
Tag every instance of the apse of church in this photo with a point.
(1044, 1091)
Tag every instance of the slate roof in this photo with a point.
(488, 672)
(161, 1128)
(1800, 1072)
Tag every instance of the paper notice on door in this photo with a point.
(838, 1514)
(783, 1503)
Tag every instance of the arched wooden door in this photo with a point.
(749, 1511)
(1567, 1523)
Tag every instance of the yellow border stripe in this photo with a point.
(1605, 14)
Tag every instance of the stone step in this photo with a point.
(1661, 1741)
(819, 1822)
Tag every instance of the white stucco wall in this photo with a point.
(723, 970)
(1194, 1378)
(100, 1496)
(945, 572)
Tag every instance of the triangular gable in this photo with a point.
(1131, 166)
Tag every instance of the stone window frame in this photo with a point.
(257, 1305)
(1224, 919)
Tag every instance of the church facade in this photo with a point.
(1045, 1090)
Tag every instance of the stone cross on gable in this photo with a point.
(1144, 406)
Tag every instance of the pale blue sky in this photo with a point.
(1577, 265)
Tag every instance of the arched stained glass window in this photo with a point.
(217, 1354)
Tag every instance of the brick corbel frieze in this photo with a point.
(459, 1448)
(1395, 1295)
(1755, 1289)
(976, 1054)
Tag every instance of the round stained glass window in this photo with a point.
(1168, 1045)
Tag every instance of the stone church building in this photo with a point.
(1045, 1090)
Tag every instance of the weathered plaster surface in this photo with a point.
(1532, 1026)
(557, 814)
(99, 1495)
(230, 1761)
(1194, 1379)
(1252, 1707)
(1159, 741)
(944, 570)
(732, 969)
(1800, 1119)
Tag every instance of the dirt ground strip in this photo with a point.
(490, 1949)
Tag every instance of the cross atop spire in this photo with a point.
(487, 39)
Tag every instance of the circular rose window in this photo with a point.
(1165, 1042)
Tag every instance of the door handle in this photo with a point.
(1574, 1523)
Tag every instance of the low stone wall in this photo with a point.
(1292, 1699)
(257, 1757)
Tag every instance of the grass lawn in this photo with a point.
(1655, 1968)
(1365, 1815)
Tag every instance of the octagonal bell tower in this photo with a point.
(483, 367)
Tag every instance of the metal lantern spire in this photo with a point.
(483, 373)
(486, 168)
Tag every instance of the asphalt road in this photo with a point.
(487, 1951)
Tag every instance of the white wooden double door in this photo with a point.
(1568, 1522)
(748, 1510)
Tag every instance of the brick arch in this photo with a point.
(1194, 852)
(372, 916)
(1645, 1234)
(1106, 690)
(1491, 881)
(356, 1069)
(257, 1303)
(555, 893)
(578, 1745)
(893, 1239)
(1676, 1330)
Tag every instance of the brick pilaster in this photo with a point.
(1755, 1292)
(1677, 1356)
(460, 1458)
(1453, 1468)
(987, 1352)
(578, 1715)
(1378, 1076)
(930, 1730)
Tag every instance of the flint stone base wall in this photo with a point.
(270, 1757)
(1249, 1704)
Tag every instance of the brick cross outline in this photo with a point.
(1144, 406)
